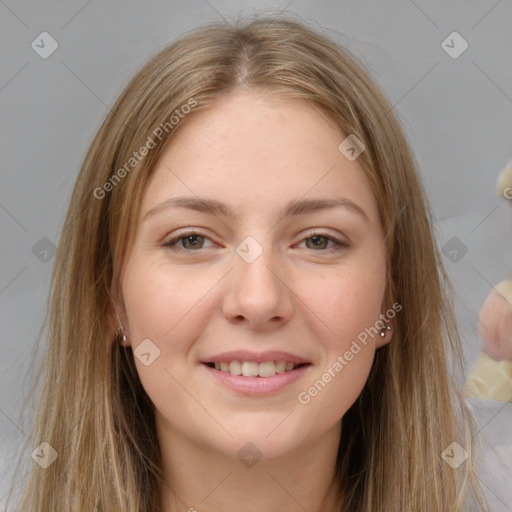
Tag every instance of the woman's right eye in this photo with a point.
(191, 241)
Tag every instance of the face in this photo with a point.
(251, 274)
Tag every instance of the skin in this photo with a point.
(254, 152)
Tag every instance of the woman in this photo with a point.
(248, 307)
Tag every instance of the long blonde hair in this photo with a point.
(92, 408)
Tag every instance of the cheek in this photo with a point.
(170, 310)
(346, 304)
(345, 301)
(162, 305)
(335, 387)
(346, 329)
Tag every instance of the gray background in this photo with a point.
(457, 113)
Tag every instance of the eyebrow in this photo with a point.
(296, 207)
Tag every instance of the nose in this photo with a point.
(258, 293)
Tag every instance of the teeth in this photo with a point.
(249, 369)
(253, 369)
(267, 369)
(235, 368)
(280, 366)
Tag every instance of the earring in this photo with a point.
(120, 335)
(383, 331)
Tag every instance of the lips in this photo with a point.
(257, 386)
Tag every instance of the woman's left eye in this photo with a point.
(320, 240)
(193, 240)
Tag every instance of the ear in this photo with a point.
(386, 323)
(386, 327)
(115, 319)
(380, 340)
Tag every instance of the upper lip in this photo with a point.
(245, 355)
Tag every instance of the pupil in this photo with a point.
(192, 237)
(317, 240)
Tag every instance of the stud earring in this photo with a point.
(120, 335)
(383, 331)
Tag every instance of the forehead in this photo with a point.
(257, 152)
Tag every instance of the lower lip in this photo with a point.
(259, 386)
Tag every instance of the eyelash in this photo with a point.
(171, 243)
